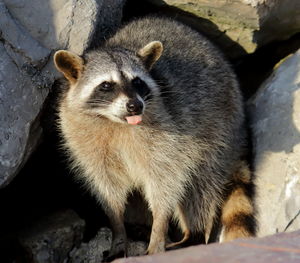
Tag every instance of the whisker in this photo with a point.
(147, 97)
(105, 102)
(99, 100)
(173, 92)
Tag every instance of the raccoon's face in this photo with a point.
(114, 83)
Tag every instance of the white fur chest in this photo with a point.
(128, 156)
(106, 149)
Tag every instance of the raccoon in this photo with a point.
(157, 109)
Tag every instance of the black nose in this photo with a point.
(134, 106)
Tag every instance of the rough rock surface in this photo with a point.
(52, 239)
(20, 104)
(282, 247)
(29, 33)
(250, 23)
(275, 120)
(92, 252)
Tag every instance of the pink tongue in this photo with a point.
(136, 119)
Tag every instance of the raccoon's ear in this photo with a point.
(150, 53)
(68, 63)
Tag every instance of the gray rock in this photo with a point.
(30, 31)
(92, 252)
(20, 41)
(53, 238)
(283, 247)
(20, 104)
(275, 120)
(108, 20)
(66, 24)
(137, 248)
(249, 23)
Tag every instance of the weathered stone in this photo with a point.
(92, 252)
(275, 120)
(67, 24)
(250, 23)
(20, 41)
(279, 248)
(29, 32)
(109, 20)
(20, 104)
(52, 239)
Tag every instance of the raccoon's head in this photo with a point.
(112, 82)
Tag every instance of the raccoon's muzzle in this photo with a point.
(134, 107)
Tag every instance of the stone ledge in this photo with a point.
(283, 247)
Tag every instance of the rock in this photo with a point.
(282, 247)
(20, 104)
(56, 24)
(30, 32)
(249, 23)
(137, 248)
(109, 20)
(92, 252)
(53, 238)
(275, 121)
(20, 41)
(67, 24)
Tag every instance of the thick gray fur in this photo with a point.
(201, 95)
(195, 110)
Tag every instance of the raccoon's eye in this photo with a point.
(137, 82)
(140, 86)
(106, 86)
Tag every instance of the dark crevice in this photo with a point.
(254, 68)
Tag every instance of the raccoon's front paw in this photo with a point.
(118, 250)
(156, 248)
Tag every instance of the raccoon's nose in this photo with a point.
(134, 106)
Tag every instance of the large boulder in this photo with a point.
(275, 121)
(30, 32)
(248, 23)
(283, 247)
(51, 239)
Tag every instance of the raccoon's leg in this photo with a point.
(183, 223)
(159, 203)
(163, 200)
(119, 237)
(159, 231)
(238, 211)
(114, 200)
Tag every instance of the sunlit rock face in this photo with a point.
(241, 26)
(275, 121)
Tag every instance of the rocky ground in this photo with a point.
(283, 247)
(47, 217)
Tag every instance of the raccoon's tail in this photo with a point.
(238, 211)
